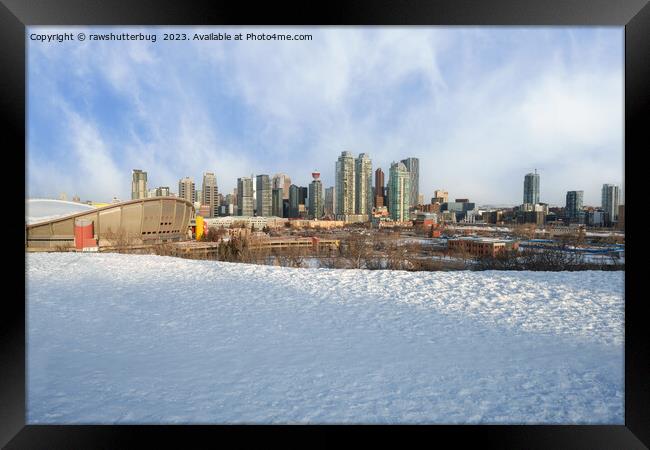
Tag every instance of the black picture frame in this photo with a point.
(634, 15)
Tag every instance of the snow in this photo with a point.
(125, 339)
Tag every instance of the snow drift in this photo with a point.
(149, 339)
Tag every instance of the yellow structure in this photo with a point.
(199, 227)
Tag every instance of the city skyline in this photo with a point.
(531, 194)
(476, 106)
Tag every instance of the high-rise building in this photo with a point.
(293, 201)
(531, 188)
(186, 189)
(413, 167)
(379, 188)
(263, 194)
(315, 197)
(387, 194)
(440, 194)
(363, 184)
(303, 199)
(210, 193)
(330, 201)
(285, 207)
(345, 184)
(227, 207)
(276, 202)
(399, 182)
(573, 209)
(282, 181)
(162, 191)
(139, 184)
(610, 198)
(245, 196)
(298, 197)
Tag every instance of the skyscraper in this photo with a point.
(345, 184)
(295, 194)
(531, 188)
(303, 198)
(139, 184)
(293, 201)
(186, 189)
(228, 207)
(379, 188)
(363, 184)
(315, 196)
(276, 202)
(573, 207)
(330, 201)
(210, 193)
(281, 181)
(245, 196)
(413, 167)
(399, 182)
(610, 198)
(263, 194)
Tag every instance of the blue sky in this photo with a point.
(480, 107)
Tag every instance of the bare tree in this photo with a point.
(356, 249)
(119, 241)
(215, 234)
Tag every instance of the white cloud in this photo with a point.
(478, 115)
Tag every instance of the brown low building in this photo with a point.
(429, 208)
(481, 246)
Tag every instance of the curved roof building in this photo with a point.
(142, 221)
(41, 210)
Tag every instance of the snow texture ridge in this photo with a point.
(150, 339)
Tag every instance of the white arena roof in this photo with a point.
(40, 210)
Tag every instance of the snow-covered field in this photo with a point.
(150, 339)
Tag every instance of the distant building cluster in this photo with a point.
(357, 197)
(574, 212)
